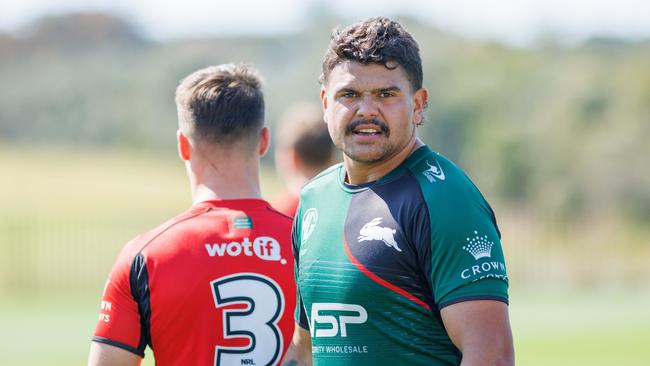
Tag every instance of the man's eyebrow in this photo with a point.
(346, 90)
(387, 89)
(373, 91)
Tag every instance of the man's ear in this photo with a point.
(420, 99)
(323, 100)
(184, 146)
(265, 139)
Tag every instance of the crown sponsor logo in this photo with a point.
(434, 171)
(479, 246)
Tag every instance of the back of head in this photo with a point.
(221, 105)
(303, 130)
(375, 40)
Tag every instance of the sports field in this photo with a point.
(580, 329)
(66, 213)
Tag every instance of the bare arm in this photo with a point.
(106, 355)
(299, 352)
(481, 330)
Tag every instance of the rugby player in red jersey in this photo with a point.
(214, 285)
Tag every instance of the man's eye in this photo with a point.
(348, 95)
(385, 94)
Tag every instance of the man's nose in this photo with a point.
(367, 107)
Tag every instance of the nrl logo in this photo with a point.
(372, 231)
(479, 246)
(434, 171)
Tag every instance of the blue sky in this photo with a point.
(513, 21)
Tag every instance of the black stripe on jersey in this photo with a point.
(119, 345)
(139, 279)
(470, 298)
(303, 322)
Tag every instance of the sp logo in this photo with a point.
(337, 316)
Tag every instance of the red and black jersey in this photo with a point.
(212, 286)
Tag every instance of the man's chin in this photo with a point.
(369, 157)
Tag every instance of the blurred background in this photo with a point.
(545, 104)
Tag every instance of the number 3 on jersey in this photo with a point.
(257, 322)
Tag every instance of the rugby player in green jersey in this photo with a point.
(397, 255)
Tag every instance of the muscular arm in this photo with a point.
(299, 352)
(481, 330)
(106, 355)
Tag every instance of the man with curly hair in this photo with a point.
(397, 254)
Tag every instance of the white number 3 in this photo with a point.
(257, 322)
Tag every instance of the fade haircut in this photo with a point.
(378, 41)
(221, 104)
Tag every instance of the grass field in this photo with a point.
(64, 215)
(579, 329)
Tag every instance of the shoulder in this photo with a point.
(324, 178)
(440, 178)
(136, 245)
(448, 192)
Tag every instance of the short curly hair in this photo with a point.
(375, 40)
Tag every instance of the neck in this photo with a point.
(224, 179)
(359, 173)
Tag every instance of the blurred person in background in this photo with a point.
(214, 285)
(397, 254)
(303, 149)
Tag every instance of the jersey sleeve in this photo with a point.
(299, 314)
(466, 258)
(119, 322)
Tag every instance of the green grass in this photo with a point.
(597, 328)
(559, 329)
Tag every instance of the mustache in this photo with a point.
(373, 121)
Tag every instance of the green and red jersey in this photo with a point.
(376, 263)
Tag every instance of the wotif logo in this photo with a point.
(264, 247)
(434, 171)
(372, 231)
(337, 316)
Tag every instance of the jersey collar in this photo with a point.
(392, 175)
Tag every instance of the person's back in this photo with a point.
(189, 278)
(214, 284)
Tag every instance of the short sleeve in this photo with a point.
(467, 258)
(119, 322)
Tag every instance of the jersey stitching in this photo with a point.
(206, 210)
(121, 345)
(270, 208)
